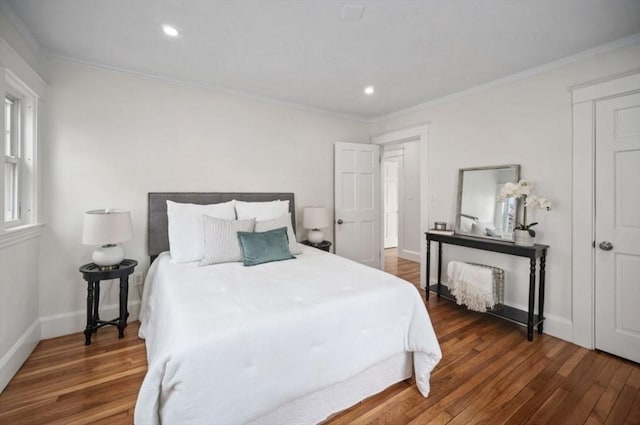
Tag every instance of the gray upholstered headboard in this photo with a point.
(158, 235)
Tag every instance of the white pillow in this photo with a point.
(261, 211)
(276, 223)
(221, 244)
(185, 227)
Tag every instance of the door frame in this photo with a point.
(419, 133)
(584, 98)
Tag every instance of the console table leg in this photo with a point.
(428, 271)
(124, 293)
(89, 329)
(543, 260)
(532, 297)
(96, 303)
(439, 266)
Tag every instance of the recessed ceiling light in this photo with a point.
(369, 90)
(170, 31)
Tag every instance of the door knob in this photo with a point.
(340, 221)
(606, 246)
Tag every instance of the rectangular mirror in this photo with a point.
(479, 212)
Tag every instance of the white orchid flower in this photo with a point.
(524, 188)
(531, 201)
(508, 191)
(534, 201)
(544, 204)
(508, 187)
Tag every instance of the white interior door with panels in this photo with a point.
(357, 202)
(617, 230)
(391, 171)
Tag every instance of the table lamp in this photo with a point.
(107, 228)
(315, 218)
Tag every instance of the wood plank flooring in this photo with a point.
(489, 374)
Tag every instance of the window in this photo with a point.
(12, 148)
(18, 179)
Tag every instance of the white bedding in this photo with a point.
(227, 344)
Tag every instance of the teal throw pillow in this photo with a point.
(264, 247)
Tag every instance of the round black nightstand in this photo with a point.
(324, 245)
(93, 275)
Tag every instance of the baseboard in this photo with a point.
(16, 356)
(409, 255)
(554, 325)
(75, 321)
(559, 327)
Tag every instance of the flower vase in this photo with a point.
(522, 238)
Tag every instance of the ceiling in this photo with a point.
(301, 52)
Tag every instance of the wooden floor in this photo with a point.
(489, 374)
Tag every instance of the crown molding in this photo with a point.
(217, 89)
(20, 26)
(615, 45)
(12, 60)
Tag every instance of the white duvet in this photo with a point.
(227, 343)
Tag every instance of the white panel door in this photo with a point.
(618, 226)
(390, 172)
(357, 202)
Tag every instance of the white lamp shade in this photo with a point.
(315, 218)
(104, 227)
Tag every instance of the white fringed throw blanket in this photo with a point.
(471, 285)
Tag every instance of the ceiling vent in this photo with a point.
(351, 13)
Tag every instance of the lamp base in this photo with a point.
(108, 257)
(315, 236)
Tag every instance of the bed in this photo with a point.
(283, 342)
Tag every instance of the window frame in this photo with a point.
(14, 156)
(24, 155)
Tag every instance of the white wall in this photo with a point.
(19, 250)
(114, 137)
(19, 324)
(525, 122)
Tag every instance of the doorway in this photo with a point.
(401, 201)
(392, 174)
(391, 181)
(413, 193)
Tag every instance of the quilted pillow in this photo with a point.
(221, 243)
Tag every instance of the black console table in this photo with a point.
(531, 252)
